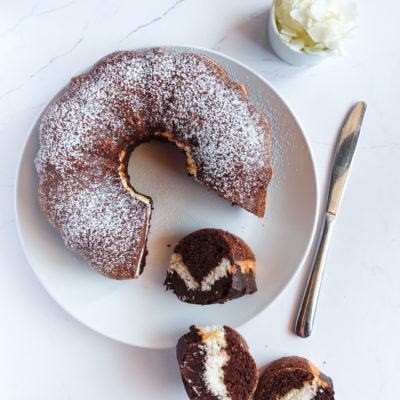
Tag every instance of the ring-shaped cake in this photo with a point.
(88, 133)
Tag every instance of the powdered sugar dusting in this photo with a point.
(230, 138)
(121, 102)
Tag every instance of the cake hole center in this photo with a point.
(156, 168)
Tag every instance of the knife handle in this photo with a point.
(305, 318)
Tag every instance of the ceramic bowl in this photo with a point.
(284, 51)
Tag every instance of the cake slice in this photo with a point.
(215, 364)
(211, 266)
(294, 378)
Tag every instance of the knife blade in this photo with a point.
(345, 148)
(344, 152)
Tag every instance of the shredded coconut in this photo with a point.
(315, 26)
(307, 392)
(220, 271)
(216, 357)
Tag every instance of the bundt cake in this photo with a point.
(294, 378)
(211, 266)
(88, 133)
(215, 364)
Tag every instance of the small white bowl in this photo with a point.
(284, 51)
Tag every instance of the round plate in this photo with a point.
(140, 312)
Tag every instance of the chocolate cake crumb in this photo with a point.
(240, 377)
(211, 266)
(296, 378)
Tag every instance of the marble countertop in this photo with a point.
(46, 354)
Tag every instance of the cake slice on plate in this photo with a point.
(211, 266)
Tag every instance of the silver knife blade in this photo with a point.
(345, 148)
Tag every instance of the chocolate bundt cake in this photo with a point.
(88, 133)
(294, 378)
(215, 364)
(211, 266)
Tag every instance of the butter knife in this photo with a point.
(345, 148)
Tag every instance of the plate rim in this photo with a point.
(204, 51)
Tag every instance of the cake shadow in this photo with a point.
(160, 249)
(158, 169)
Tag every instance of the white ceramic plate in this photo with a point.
(140, 312)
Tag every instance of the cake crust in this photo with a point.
(88, 133)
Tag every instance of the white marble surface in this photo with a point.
(45, 354)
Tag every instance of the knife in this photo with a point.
(344, 152)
